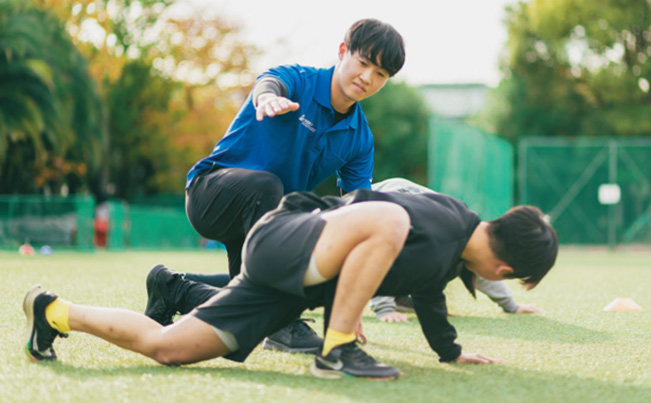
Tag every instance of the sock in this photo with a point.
(56, 315)
(334, 338)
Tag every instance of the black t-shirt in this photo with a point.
(440, 229)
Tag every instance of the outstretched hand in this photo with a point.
(526, 308)
(272, 105)
(394, 317)
(477, 359)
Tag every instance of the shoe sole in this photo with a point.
(272, 345)
(327, 374)
(331, 374)
(28, 308)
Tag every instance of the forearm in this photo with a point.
(382, 305)
(268, 85)
(432, 314)
(498, 292)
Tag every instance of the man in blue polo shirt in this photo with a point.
(298, 126)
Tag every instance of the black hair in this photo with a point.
(377, 41)
(523, 239)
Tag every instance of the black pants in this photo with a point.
(224, 203)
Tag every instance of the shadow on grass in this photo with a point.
(529, 327)
(441, 383)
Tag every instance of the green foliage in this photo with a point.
(49, 109)
(576, 352)
(575, 68)
(168, 88)
(398, 118)
(140, 120)
(131, 20)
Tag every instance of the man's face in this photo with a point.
(356, 77)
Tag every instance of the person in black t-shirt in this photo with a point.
(332, 252)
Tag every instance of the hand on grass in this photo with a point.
(272, 105)
(526, 308)
(477, 359)
(359, 333)
(394, 317)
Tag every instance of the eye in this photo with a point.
(362, 62)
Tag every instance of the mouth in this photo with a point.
(359, 87)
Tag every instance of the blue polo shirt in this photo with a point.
(302, 148)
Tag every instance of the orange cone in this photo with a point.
(623, 305)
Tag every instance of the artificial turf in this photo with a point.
(575, 352)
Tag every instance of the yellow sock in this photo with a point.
(334, 338)
(57, 313)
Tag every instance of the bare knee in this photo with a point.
(158, 349)
(200, 345)
(391, 224)
(166, 357)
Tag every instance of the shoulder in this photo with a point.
(298, 79)
(291, 71)
(448, 212)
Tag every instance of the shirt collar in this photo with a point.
(322, 96)
(468, 278)
(324, 81)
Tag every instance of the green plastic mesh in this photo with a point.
(471, 165)
(563, 177)
(57, 221)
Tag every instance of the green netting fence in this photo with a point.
(76, 222)
(471, 165)
(159, 228)
(596, 190)
(152, 222)
(56, 221)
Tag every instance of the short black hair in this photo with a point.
(377, 41)
(523, 239)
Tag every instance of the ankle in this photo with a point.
(57, 315)
(335, 338)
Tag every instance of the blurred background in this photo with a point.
(106, 104)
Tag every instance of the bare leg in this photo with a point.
(186, 341)
(360, 243)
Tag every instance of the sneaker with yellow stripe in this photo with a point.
(40, 335)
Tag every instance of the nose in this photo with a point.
(366, 76)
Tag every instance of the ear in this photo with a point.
(503, 270)
(342, 50)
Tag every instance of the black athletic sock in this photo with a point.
(190, 294)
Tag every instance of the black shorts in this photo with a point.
(269, 293)
(224, 203)
(278, 249)
(249, 312)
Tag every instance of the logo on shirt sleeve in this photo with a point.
(308, 125)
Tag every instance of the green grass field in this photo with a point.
(576, 352)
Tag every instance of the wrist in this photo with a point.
(262, 98)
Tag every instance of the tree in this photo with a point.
(49, 109)
(574, 67)
(169, 108)
(198, 72)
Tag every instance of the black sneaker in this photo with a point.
(40, 335)
(404, 304)
(297, 337)
(348, 360)
(160, 301)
